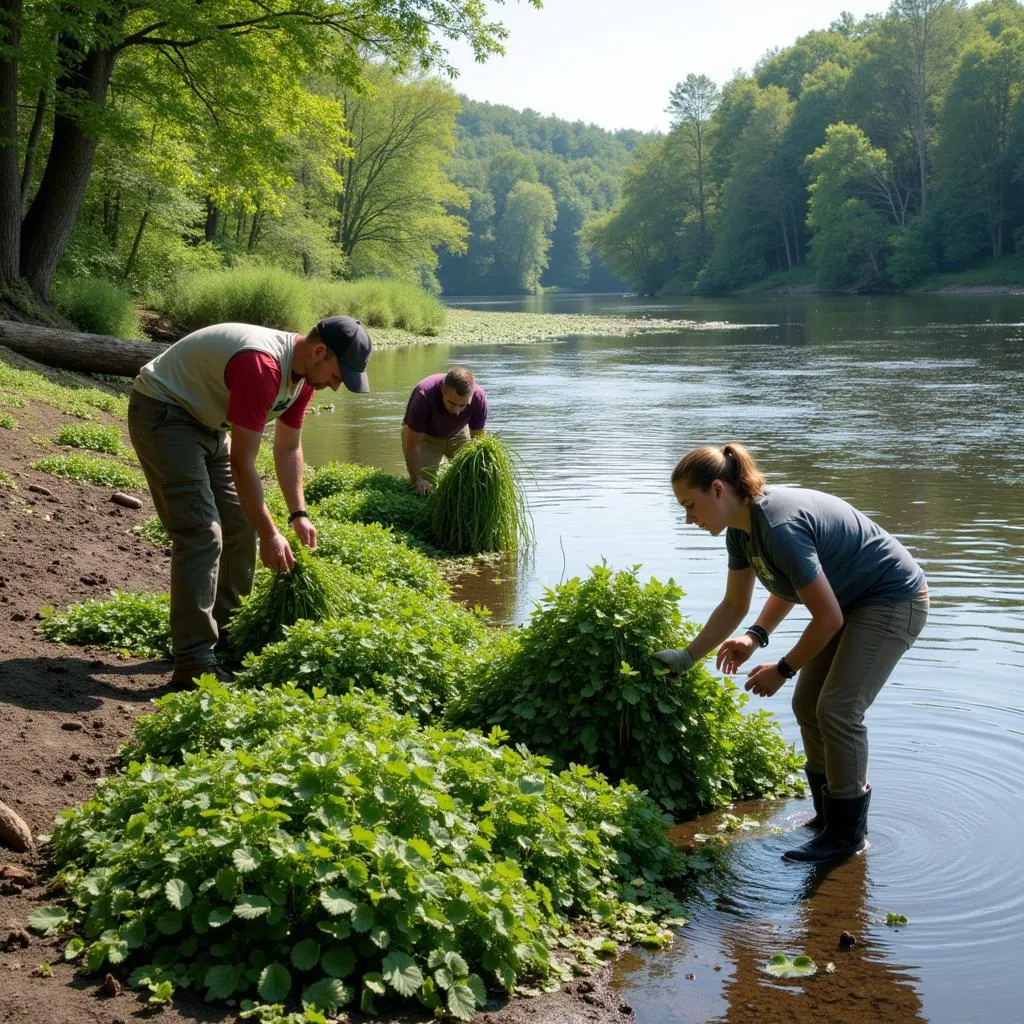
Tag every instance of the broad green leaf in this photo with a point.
(178, 893)
(74, 949)
(222, 980)
(401, 973)
(252, 907)
(337, 901)
(306, 954)
(47, 920)
(275, 983)
(245, 859)
(338, 961)
(328, 994)
(461, 1001)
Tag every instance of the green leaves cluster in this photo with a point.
(91, 436)
(579, 685)
(136, 624)
(91, 469)
(310, 858)
(478, 504)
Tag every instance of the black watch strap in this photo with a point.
(299, 513)
(759, 633)
(785, 669)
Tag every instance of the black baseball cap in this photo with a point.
(346, 337)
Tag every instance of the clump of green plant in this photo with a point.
(579, 684)
(412, 651)
(312, 589)
(895, 920)
(6, 480)
(91, 469)
(478, 504)
(341, 477)
(134, 624)
(782, 966)
(373, 550)
(91, 436)
(404, 511)
(374, 865)
(68, 395)
(154, 531)
(99, 307)
(379, 302)
(7, 421)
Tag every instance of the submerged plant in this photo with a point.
(478, 504)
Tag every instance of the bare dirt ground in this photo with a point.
(65, 711)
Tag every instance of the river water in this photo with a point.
(913, 410)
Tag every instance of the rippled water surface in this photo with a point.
(912, 409)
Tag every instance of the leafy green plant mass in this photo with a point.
(579, 685)
(135, 624)
(478, 503)
(331, 850)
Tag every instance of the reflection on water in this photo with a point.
(912, 410)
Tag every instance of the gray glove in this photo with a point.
(678, 662)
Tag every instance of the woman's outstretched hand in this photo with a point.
(764, 680)
(734, 653)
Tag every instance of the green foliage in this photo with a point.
(7, 421)
(782, 966)
(91, 469)
(98, 307)
(580, 686)
(135, 624)
(529, 217)
(373, 550)
(895, 920)
(312, 589)
(59, 389)
(154, 531)
(381, 302)
(92, 437)
(376, 497)
(333, 862)
(478, 503)
(411, 649)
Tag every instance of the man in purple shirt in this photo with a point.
(444, 411)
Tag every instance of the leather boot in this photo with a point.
(815, 783)
(846, 825)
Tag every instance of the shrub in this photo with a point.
(373, 550)
(382, 302)
(478, 504)
(135, 624)
(380, 862)
(99, 307)
(342, 477)
(91, 469)
(580, 685)
(403, 510)
(92, 437)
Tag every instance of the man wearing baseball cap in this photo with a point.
(196, 418)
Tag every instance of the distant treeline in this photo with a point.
(532, 182)
(874, 154)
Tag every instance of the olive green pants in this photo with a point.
(837, 686)
(434, 449)
(213, 544)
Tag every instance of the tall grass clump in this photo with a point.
(251, 295)
(312, 589)
(98, 306)
(478, 504)
(579, 684)
(380, 302)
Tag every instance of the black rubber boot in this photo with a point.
(816, 783)
(846, 825)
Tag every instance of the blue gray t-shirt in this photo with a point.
(796, 533)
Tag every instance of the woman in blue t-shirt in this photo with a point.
(867, 598)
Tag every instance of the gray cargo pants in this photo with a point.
(837, 686)
(213, 544)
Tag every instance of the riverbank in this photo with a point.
(67, 711)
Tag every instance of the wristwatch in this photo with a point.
(785, 669)
(299, 513)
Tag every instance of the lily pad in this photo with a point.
(781, 966)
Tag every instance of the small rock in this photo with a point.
(18, 616)
(71, 726)
(39, 489)
(14, 937)
(126, 500)
(110, 987)
(847, 940)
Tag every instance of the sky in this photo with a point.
(614, 62)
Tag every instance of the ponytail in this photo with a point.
(732, 464)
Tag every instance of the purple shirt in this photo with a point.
(426, 414)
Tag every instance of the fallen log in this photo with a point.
(74, 350)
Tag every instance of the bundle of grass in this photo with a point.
(314, 589)
(478, 503)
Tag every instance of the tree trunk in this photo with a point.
(212, 220)
(51, 217)
(130, 262)
(71, 350)
(32, 146)
(10, 185)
